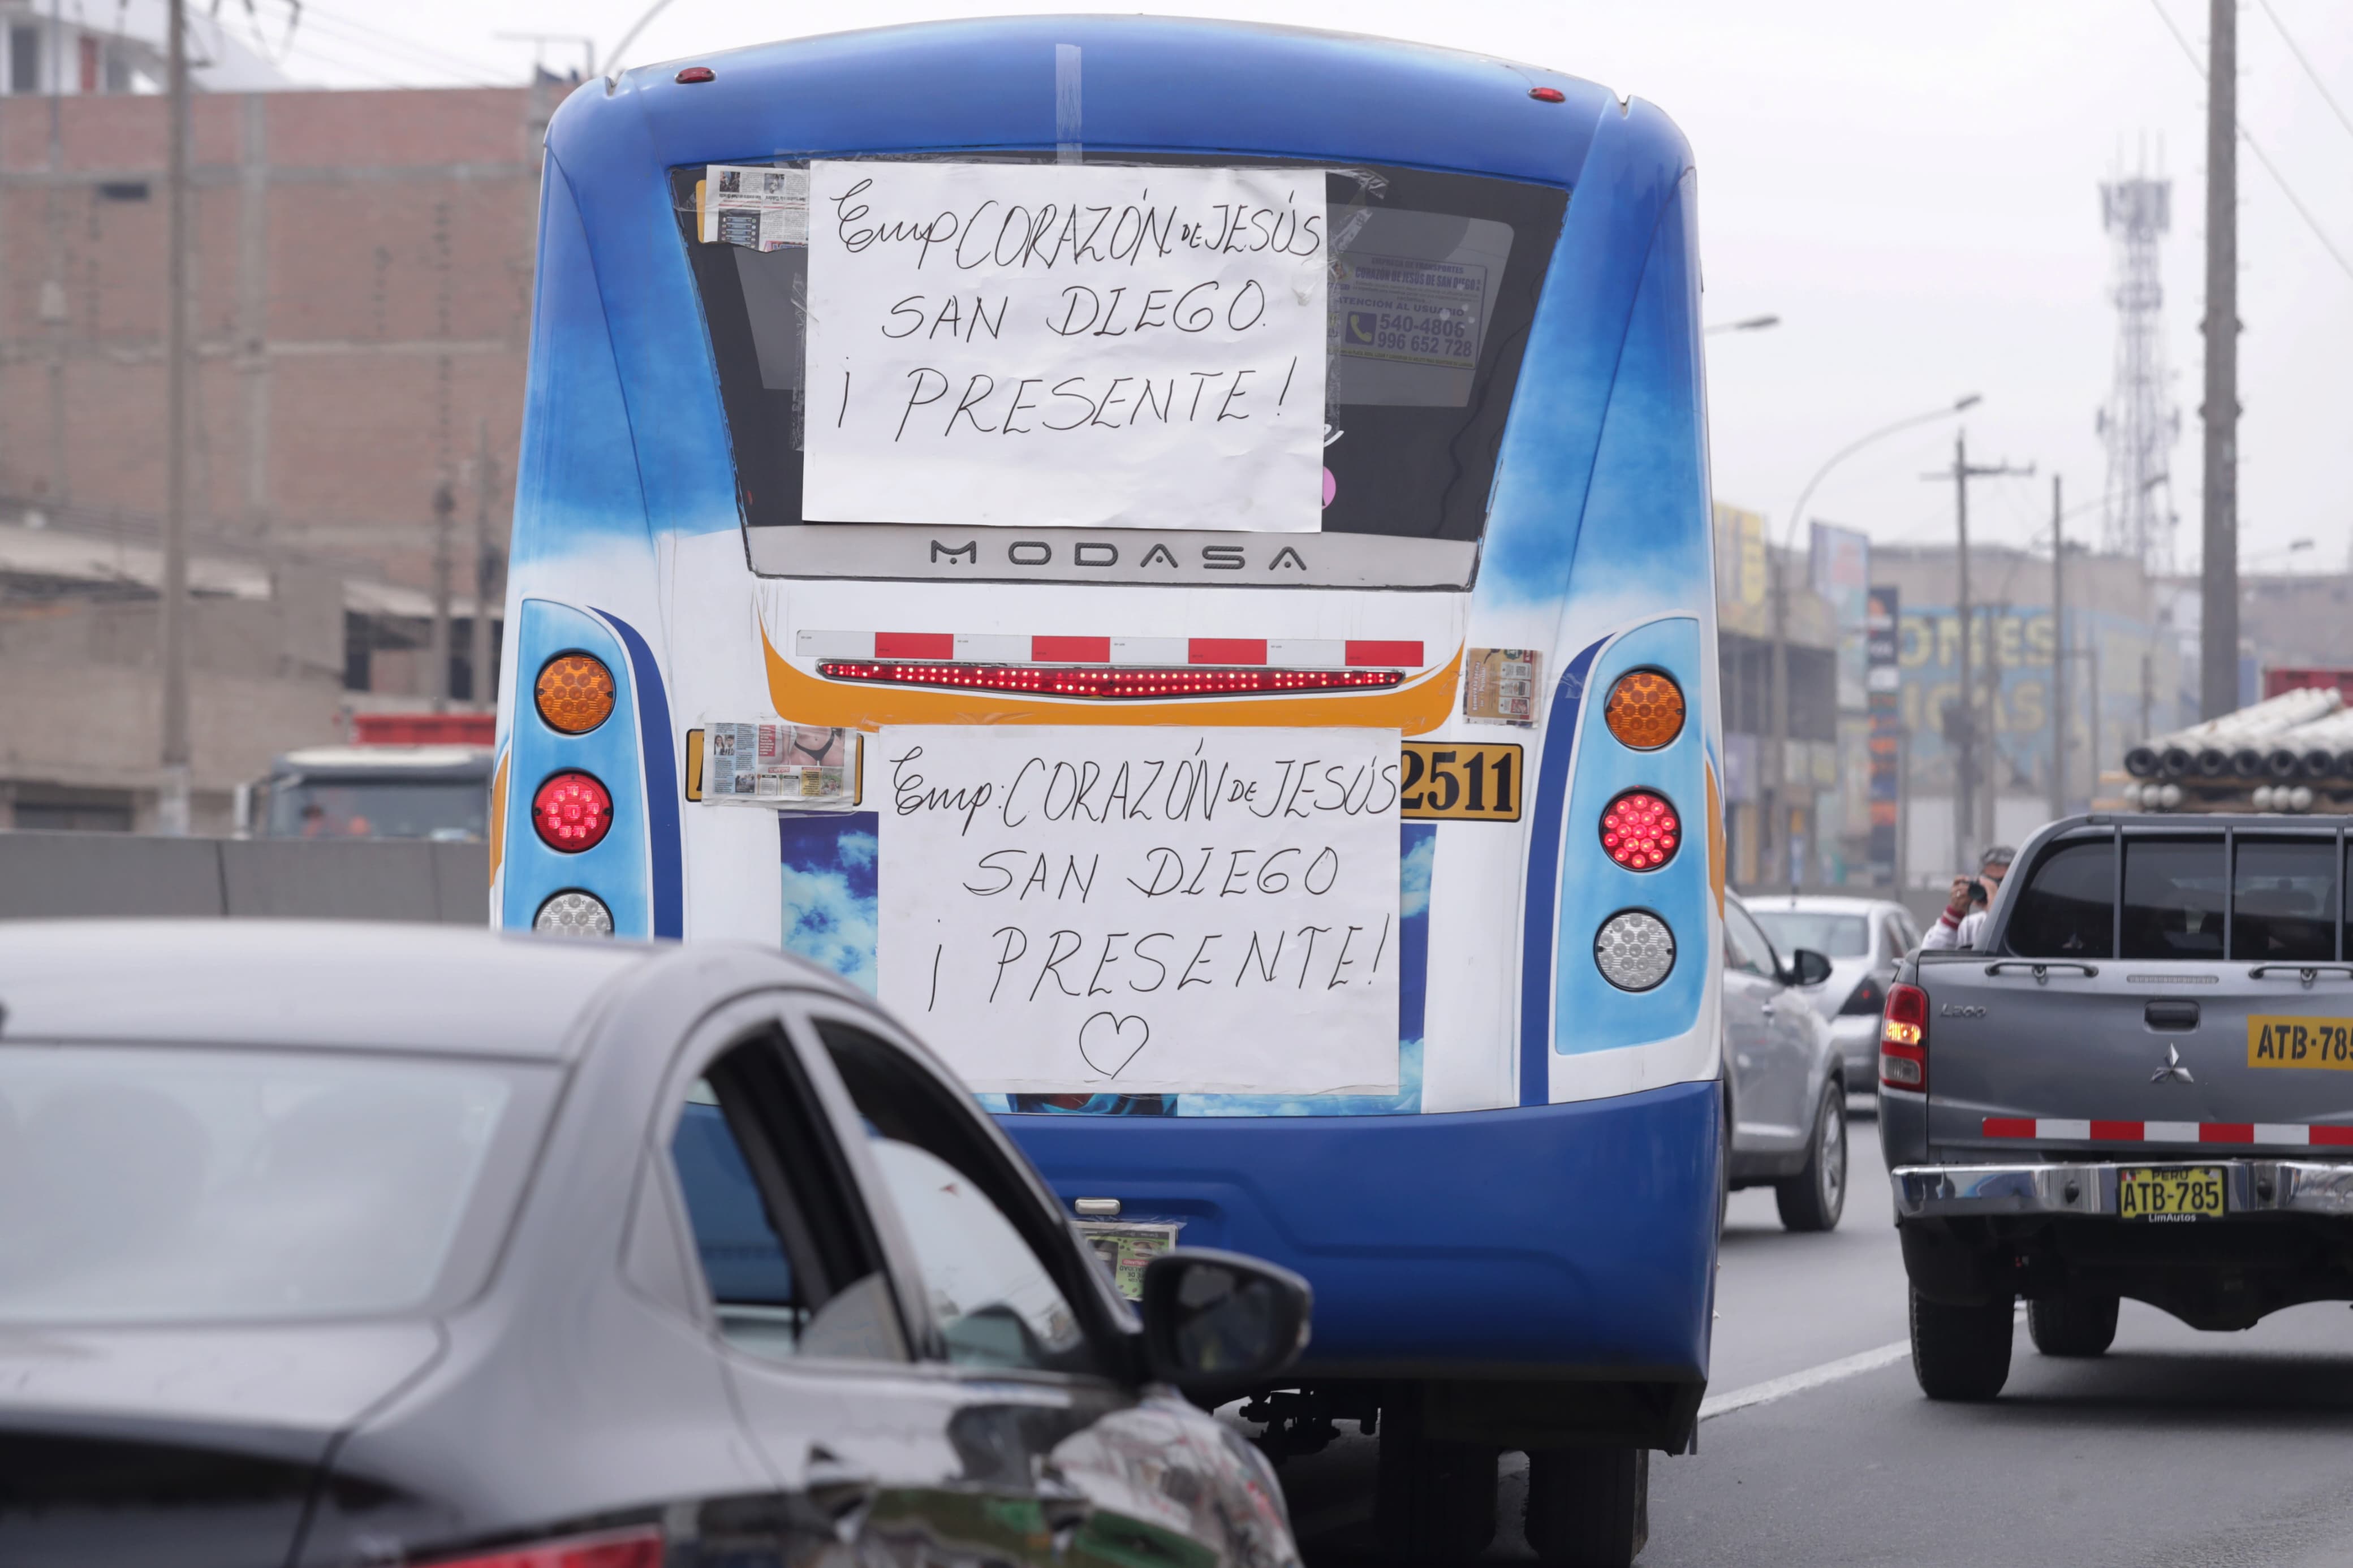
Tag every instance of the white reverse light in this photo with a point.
(1634, 950)
(574, 914)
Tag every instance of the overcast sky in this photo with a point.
(1913, 189)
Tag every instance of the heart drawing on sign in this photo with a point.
(1110, 1044)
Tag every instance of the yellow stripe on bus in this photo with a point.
(498, 834)
(1413, 710)
(1714, 841)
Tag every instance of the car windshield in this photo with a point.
(455, 809)
(189, 1186)
(1832, 936)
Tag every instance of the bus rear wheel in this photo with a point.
(1434, 1502)
(1589, 1508)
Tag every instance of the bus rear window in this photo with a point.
(1428, 284)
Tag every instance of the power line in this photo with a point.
(346, 34)
(347, 31)
(2288, 38)
(2257, 149)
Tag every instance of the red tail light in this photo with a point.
(572, 812)
(1113, 684)
(1903, 1040)
(1639, 830)
(615, 1549)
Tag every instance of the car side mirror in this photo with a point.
(1217, 1324)
(1808, 967)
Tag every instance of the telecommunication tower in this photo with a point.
(2137, 423)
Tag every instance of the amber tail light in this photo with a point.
(1903, 1040)
(573, 693)
(1645, 710)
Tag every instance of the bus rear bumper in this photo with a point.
(1573, 1241)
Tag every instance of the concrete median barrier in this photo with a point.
(47, 876)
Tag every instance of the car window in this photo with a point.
(2173, 898)
(1745, 947)
(785, 1277)
(180, 1185)
(1892, 937)
(1832, 936)
(2283, 899)
(980, 1235)
(2068, 907)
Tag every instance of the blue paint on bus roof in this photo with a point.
(1145, 83)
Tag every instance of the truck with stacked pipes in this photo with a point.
(2292, 751)
(2133, 1086)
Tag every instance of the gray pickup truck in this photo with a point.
(2140, 1084)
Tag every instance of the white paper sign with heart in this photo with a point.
(1147, 910)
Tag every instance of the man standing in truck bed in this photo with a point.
(1965, 912)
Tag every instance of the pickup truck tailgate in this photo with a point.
(2165, 989)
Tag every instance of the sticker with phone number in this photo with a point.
(1459, 782)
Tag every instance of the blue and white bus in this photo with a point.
(1177, 554)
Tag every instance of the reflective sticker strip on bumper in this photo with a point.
(1302, 653)
(2293, 1135)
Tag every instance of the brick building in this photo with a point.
(361, 286)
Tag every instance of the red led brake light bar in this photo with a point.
(1115, 685)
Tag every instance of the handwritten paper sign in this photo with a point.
(1145, 910)
(1049, 345)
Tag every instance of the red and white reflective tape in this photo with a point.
(980, 647)
(2290, 1134)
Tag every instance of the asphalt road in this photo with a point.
(2177, 1450)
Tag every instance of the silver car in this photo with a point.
(1862, 937)
(1785, 1085)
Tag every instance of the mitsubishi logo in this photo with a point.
(2172, 1071)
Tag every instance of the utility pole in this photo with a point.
(486, 572)
(171, 797)
(1961, 727)
(444, 508)
(2218, 640)
(1990, 755)
(1774, 841)
(1773, 837)
(2058, 655)
(53, 312)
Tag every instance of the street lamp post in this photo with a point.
(1776, 779)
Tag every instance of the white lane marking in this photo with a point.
(1756, 1394)
(1775, 1388)
(1813, 1377)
